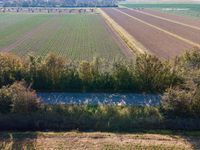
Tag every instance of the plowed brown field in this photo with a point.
(164, 38)
(184, 19)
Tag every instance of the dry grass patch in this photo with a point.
(93, 141)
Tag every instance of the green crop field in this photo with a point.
(74, 36)
(192, 10)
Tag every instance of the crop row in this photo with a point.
(72, 36)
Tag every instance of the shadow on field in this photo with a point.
(191, 137)
(15, 141)
(27, 140)
(193, 140)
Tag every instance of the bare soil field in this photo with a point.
(187, 32)
(156, 41)
(183, 19)
(97, 141)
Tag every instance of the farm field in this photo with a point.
(74, 36)
(191, 10)
(162, 36)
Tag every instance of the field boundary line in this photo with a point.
(169, 20)
(160, 29)
(130, 41)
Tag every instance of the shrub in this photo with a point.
(11, 68)
(85, 73)
(123, 77)
(154, 75)
(17, 98)
(54, 73)
(5, 100)
(182, 101)
(191, 59)
(177, 101)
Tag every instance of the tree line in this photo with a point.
(55, 73)
(61, 3)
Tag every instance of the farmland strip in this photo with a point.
(167, 32)
(169, 20)
(183, 19)
(182, 31)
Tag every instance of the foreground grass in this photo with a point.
(97, 140)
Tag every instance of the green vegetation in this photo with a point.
(14, 26)
(179, 80)
(192, 10)
(23, 112)
(184, 99)
(18, 99)
(72, 36)
(55, 73)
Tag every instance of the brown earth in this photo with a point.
(156, 41)
(183, 19)
(181, 30)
